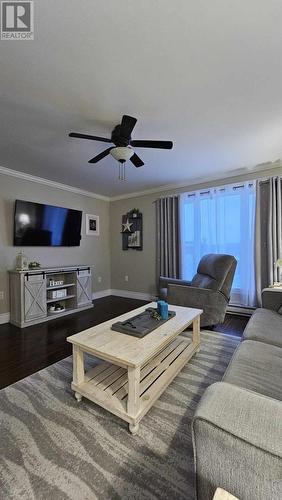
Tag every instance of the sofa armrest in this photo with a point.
(237, 439)
(271, 298)
(179, 292)
(164, 282)
(212, 301)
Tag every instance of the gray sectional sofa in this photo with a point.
(237, 428)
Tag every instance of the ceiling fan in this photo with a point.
(123, 144)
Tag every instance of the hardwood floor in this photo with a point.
(26, 351)
(233, 325)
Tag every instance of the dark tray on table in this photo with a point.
(141, 324)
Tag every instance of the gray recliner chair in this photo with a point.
(209, 289)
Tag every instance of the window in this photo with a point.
(221, 220)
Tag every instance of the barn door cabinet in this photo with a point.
(34, 303)
(33, 294)
(84, 287)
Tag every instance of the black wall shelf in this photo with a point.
(133, 239)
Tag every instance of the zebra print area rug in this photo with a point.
(55, 448)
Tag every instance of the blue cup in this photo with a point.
(159, 305)
(162, 307)
(164, 314)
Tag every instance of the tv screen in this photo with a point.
(46, 225)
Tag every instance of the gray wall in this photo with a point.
(103, 252)
(93, 250)
(141, 266)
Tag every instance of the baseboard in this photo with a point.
(132, 295)
(122, 293)
(4, 318)
(101, 293)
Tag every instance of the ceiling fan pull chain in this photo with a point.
(121, 171)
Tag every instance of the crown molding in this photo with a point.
(247, 171)
(48, 182)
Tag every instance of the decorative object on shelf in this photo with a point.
(34, 265)
(55, 283)
(21, 262)
(56, 308)
(58, 294)
(92, 225)
(127, 226)
(135, 212)
(132, 230)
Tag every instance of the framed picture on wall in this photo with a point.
(92, 225)
(134, 240)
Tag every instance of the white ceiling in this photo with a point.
(205, 74)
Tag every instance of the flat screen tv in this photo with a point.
(46, 225)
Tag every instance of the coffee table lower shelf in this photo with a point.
(130, 393)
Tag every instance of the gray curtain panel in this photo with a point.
(268, 228)
(168, 237)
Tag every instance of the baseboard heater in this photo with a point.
(240, 310)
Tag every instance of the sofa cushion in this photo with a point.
(257, 367)
(215, 272)
(204, 281)
(265, 326)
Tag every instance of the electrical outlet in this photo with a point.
(1, 295)
(126, 278)
(99, 279)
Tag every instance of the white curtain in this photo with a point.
(221, 220)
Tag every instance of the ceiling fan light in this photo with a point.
(122, 153)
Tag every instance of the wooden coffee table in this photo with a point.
(133, 372)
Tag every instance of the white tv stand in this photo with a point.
(31, 293)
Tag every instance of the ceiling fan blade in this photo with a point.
(89, 137)
(100, 156)
(137, 162)
(127, 125)
(152, 144)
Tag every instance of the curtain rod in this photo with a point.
(207, 191)
(261, 180)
